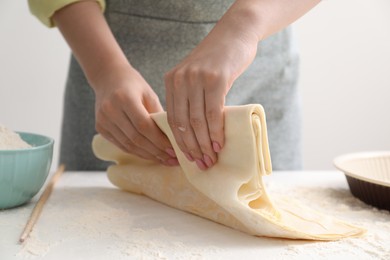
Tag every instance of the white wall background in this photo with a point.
(345, 77)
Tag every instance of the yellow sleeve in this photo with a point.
(44, 9)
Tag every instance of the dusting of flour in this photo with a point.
(100, 219)
(35, 247)
(10, 140)
(339, 203)
(121, 226)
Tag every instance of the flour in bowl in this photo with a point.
(10, 140)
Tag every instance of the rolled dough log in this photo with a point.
(232, 192)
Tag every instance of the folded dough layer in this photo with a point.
(232, 192)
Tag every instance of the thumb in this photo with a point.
(152, 103)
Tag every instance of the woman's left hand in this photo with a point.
(196, 90)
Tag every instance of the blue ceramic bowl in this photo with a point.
(24, 171)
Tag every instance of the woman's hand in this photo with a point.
(196, 90)
(124, 101)
(123, 98)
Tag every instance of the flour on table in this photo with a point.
(99, 216)
(115, 222)
(10, 140)
(159, 244)
(341, 204)
(34, 247)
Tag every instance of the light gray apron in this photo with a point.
(155, 36)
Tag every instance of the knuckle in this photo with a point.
(119, 95)
(192, 73)
(213, 115)
(211, 75)
(178, 78)
(141, 125)
(106, 107)
(179, 124)
(136, 139)
(177, 121)
(196, 122)
(171, 122)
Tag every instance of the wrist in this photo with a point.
(106, 73)
(242, 22)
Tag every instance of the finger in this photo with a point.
(102, 125)
(183, 128)
(146, 134)
(112, 121)
(169, 99)
(112, 133)
(131, 148)
(215, 101)
(112, 139)
(106, 127)
(170, 104)
(199, 125)
(152, 103)
(137, 139)
(191, 143)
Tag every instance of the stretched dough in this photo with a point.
(232, 192)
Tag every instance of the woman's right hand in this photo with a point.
(124, 101)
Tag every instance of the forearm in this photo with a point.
(85, 29)
(247, 22)
(255, 20)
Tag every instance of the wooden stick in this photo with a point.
(41, 202)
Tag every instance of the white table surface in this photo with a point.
(87, 217)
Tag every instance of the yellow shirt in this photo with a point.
(44, 9)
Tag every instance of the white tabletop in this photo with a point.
(87, 217)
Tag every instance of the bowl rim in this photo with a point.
(48, 144)
(361, 155)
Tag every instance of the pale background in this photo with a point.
(345, 77)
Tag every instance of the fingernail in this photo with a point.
(216, 147)
(189, 157)
(201, 164)
(171, 152)
(207, 160)
(172, 162)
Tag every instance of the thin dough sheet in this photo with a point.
(232, 192)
